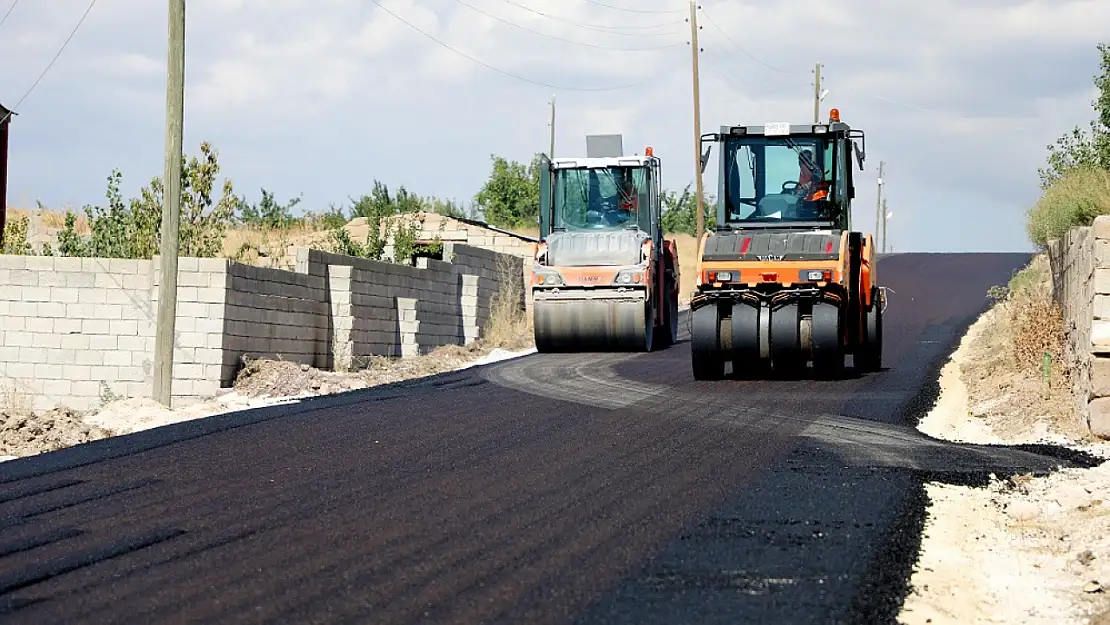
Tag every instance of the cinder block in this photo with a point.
(77, 373)
(22, 277)
(39, 324)
(92, 296)
(39, 263)
(65, 325)
(89, 356)
(50, 309)
(13, 262)
(102, 342)
(78, 342)
(118, 358)
(104, 373)
(1098, 415)
(124, 327)
(84, 388)
(1100, 336)
(63, 294)
(48, 341)
(36, 294)
(95, 326)
(44, 371)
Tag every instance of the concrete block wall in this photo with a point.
(386, 309)
(75, 327)
(1080, 263)
(79, 331)
(273, 313)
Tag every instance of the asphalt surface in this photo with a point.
(593, 488)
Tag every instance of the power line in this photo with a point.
(52, 61)
(650, 11)
(738, 46)
(10, 9)
(556, 38)
(496, 69)
(605, 29)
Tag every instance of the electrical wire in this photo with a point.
(52, 61)
(10, 9)
(605, 29)
(738, 46)
(499, 70)
(646, 11)
(556, 38)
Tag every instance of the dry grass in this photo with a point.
(1009, 382)
(509, 325)
(1074, 200)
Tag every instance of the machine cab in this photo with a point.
(601, 193)
(783, 176)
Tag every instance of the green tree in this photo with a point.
(510, 198)
(1080, 148)
(132, 229)
(680, 212)
(267, 212)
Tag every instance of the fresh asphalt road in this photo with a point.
(591, 488)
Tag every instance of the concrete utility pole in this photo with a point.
(879, 200)
(885, 215)
(551, 154)
(699, 188)
(817, 93)
(171, 206)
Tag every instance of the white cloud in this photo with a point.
(323, 96)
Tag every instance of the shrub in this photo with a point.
(1074, 200)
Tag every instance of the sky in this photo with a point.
(318, 98)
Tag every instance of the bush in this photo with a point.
(15, 237)
(132, 229)
(1074, 200)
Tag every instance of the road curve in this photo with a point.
(593, 488)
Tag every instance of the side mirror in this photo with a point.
(859, 155)
(705, 158)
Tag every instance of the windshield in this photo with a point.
(780, 179)
(601, 198)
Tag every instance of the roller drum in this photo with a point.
(592, 325)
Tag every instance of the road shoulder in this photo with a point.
(1025, 549)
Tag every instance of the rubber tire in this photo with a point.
(786, 349)
(828, 348)
(869, 359)
(706, 359)
(667, 334)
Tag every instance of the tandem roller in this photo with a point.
(603, 277)
(783, 280)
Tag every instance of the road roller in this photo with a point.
(784, 282)
(603, 277)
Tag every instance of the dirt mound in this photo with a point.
(278, 378)
(26, 435)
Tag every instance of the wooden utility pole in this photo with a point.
(817, 93)
(171, 206)
(879, 200)
(884, 226)
(551, 154)
(699, 188)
